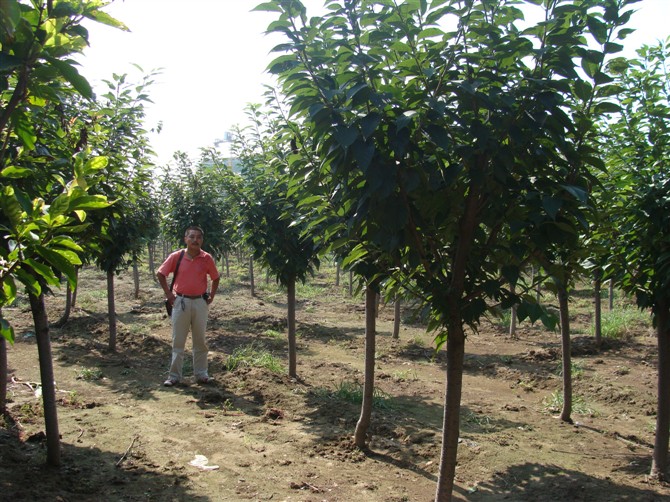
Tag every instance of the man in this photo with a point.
(190, 303)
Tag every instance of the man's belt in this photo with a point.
(192, 297)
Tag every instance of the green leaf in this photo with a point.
(8, 63)
(6, 330)
(364, 152)
(552, 206)
(23, 128)
(43, 270)
(104, 18)
(606, 107)
(60, 263)
(95, 164)
(70, 73)
(10, 206)
(345, 135)
(30, 282)
(15, 172)
(267, 7)
(88, 202)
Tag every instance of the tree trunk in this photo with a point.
(74, 293)
(567, 356)
(513, 317)
(659, 464)
(292, 352)
(3, 374)
(597, 321)
(610, 295)
(111, 311)
(337, 274)
(68, 307)
(369, 383)
(251, 276)
(452, 409)
(151, 247)
(47, 378)
(136, 278)
(227, 262)
(396, 319)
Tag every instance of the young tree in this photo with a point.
(44, 177)
(270, 220)
(117, 131)
(446, 127)
(638, 147)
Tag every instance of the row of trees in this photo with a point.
(445, 148)
(438, 151)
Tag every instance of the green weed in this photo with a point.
(89, 374)
(554, 404)
(576, 368)
(619, 324)
(271, 333)
(254, 355)
(352, 392)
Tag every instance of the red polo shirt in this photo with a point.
(192, 275)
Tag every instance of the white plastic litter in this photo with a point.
(201, 462)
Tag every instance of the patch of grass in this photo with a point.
(405, 375)
(272, 333)
(352, 392)
(619, 323)
(576, 368)
(554, 404)
(480, 420)
(254, 355)
(89, 374)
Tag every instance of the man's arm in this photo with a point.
(162, 280)
(212, 291)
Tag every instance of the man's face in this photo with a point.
(193, 239)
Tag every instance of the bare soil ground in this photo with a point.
(125, 437)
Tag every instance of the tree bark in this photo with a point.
(3, 374)
(47, 378)
(292, 351)
(251, 276)
(659, 464)
(396, 319)
(68, 307)
(597, 321)
(337, 274)
(74, 293)
(566, 412)
(369, 380)
(513, 317)
(452, 409)
(610, 295)
(136, 278)
(151, 247)
(111, 311)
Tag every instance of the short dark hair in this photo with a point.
(194, 227)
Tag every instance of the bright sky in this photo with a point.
(213, 56)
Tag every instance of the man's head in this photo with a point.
(194, 228)
(193, 238)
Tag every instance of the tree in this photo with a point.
(199, 195)
(638, 148)
(270, 219)
(121, 232)
(446, 127)
(45, 177)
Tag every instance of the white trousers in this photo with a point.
(188, 314)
